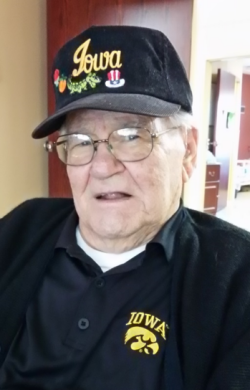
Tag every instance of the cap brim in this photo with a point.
(130, 103)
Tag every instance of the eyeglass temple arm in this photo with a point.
(155, 135)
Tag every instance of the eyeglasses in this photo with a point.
(127, 145)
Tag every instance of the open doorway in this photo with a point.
(228, 144)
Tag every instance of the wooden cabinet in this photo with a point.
(212, 188)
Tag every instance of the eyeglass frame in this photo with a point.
(50, 146)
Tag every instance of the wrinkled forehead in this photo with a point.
(83, 118)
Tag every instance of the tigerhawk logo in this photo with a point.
(142, 339)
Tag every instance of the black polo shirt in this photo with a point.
(90, 330)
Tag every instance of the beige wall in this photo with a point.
(220, 30)
(23, 91)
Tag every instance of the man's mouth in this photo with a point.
(113, 196)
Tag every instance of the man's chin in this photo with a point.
(111, 230)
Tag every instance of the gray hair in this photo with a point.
(63, 129)
(181, 119)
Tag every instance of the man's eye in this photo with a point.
(133, 137)
(84, 143)
(79, 145)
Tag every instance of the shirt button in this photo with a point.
(99, 283)
(83, 323)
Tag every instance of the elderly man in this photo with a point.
(122, 288)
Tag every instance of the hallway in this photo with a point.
(238, 213)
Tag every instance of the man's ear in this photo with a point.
(189, 161)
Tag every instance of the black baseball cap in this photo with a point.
(118, 68)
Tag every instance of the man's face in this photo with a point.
(122, 205)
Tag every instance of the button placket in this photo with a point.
(85, 324)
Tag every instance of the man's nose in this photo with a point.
(104, 163)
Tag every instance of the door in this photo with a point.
(67, 18)
(225, 108)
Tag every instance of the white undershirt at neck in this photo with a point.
(106, 261)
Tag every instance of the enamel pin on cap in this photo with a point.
(114, 79)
